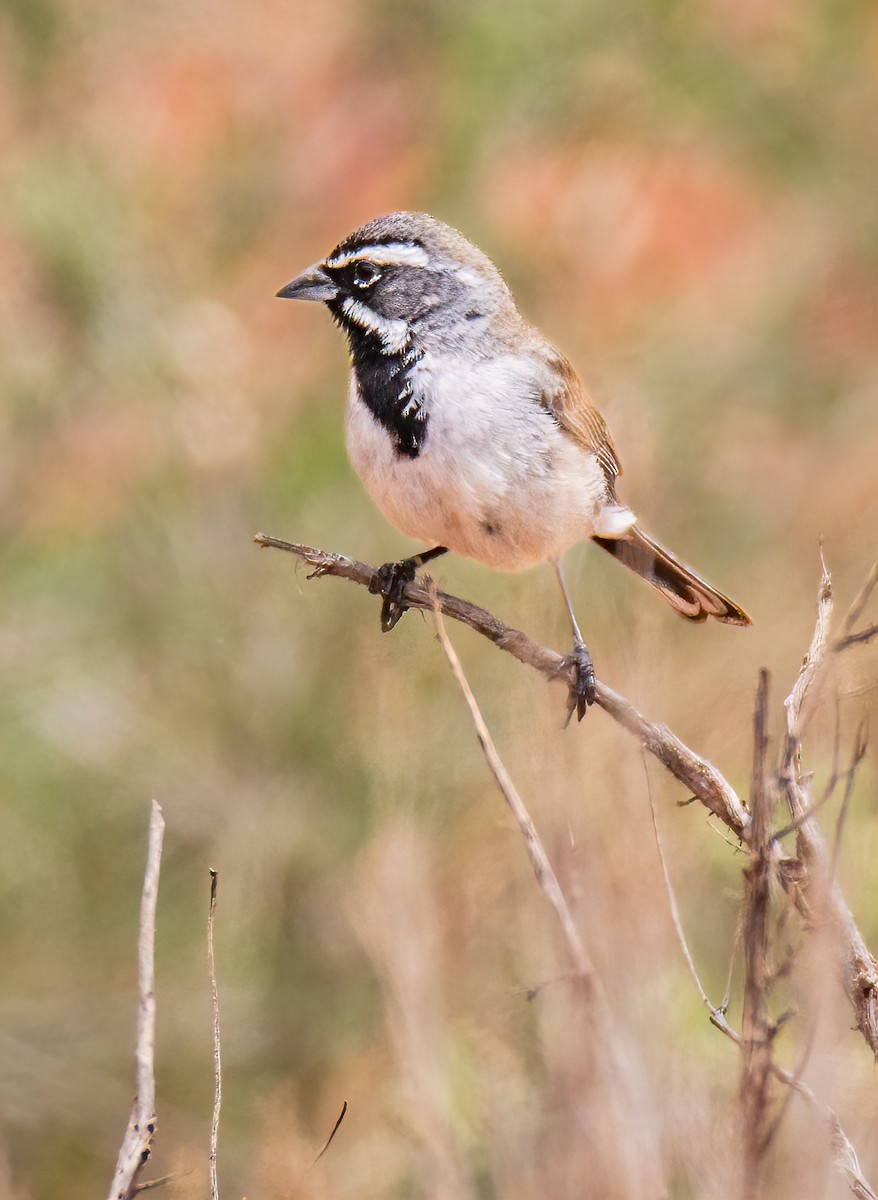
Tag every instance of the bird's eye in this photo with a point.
(365, 274)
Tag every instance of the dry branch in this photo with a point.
(756, 1063)
(138, 1139)
(699, 777)
(217, 1067)
(808, 877)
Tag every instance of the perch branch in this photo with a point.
(138, 1139)
(697, 775)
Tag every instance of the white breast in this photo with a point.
(496, 480)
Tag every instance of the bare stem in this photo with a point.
(860, 601)
(217, 1068)
(335, 1129)
(137, 1143)
(672, 902)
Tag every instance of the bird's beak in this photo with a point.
(313, 284)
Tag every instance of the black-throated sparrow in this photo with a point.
(469, 429)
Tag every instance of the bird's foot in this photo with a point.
(391, 579)
(583, 689)
(389, 582)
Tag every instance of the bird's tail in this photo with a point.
(690, 595)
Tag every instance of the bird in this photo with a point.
(471, 431)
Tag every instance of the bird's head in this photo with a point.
(403, 277)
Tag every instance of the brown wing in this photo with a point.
(572, 408)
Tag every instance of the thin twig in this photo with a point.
(861, 599)
(217, 1069)
(844, 1155)
(809, 670)
(856, 639)
(672, 899)
(699, 777)
(733, 960)
(796, 1079)
(149, 1184)
(861, 745)
(831, 783)
(137, 1143)
(328, 1142)
(806, 815)
(542, 868)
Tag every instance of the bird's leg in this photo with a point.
(583, 689)
(390, 581)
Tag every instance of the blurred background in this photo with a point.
(682, 195)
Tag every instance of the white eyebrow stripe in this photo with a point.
(394, 335)
(391, 254)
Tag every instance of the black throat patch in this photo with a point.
(385, 388)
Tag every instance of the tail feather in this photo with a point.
(691, 596)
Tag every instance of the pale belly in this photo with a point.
(507, 488)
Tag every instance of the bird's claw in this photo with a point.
(583, 688)
(390, 582)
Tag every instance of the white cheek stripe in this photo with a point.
(383, 256)
(394, 335)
